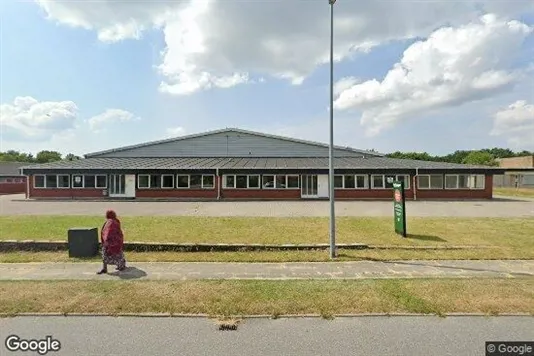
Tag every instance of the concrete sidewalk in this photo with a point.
(277, 271)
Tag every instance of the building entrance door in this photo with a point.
(121, 185)
(309, 186)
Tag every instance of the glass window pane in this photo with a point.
(350, 182)
(63, 181)
(436, 181)
(208, 181)
(77, 181)
(378, 181)
(463, 181)
(423, 182)
(405, 179)
(292, 181)
(361, 181)
(241, 182)
(280, 182)
(338, 181)
(167, 181)
(89, 181)
(268, 181)
(480, 181)
(143, 181)
(389, 179)
(39, 181)
(451, 182)
(182, 181)
(229, 181)
(51, 181)
(101, 181)
(155, 181)
(195, 181)
(253, 181)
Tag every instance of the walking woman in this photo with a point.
(112, 240)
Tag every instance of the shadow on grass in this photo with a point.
(426, 238)
(129, 273)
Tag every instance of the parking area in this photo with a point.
(15, 205)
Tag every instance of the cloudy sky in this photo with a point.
(425, 75)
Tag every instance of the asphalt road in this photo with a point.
(372, 335)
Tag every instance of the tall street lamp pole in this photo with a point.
(331, 148)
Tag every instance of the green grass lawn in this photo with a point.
(489, 237)
(515, 192)
(276, 298)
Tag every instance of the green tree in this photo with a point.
(480, 158)
(48, 156)
(16, 156)
(72, 157)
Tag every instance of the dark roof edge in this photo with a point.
(308, 142)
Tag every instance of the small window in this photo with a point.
(338, 181)
(39, 181)
(89, 182)
(388, 181)
(143, 181)
(268, 181)
(155, 181)
(451, 181)
(254, 182)
(51, 181)
(405, 178)
(293, 182)
(241, 182)
(281, 182)
(167, 181)
(463, 181)
(361, 182)
(208, 182)
(423, 182)
(77, 181)
(480, 181)
(350, 183)
(378, 182)
(182, 181)
(63, 181)
(436, 181)
(229, 181)
(101, 181)
(195, 181)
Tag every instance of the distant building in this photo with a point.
(11, 180)
(519, 172)
(240, 164)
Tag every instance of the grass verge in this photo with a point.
(514, 192)
(234, 298)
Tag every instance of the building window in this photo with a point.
(182, 181)
(293, 182)
(464, 181)
(51, 181)
(254, 182)
(95, 181)
(241, 182)
(229, 181)
(349, 182)
(430, 181)
(77, 181)
(167, 181)
(361, 181)
(39, 181)
(208, 181)
(195, 181)
(143, 181)
(268, 181)
(338, 182)
(377, 182)
(101, 181)
(405, 178)
(63, 181)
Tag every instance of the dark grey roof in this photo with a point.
(250, 163)
(229, 130)
(11, 168)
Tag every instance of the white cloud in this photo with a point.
(452, 67)
(516, 122)
(215, 43)
(98, 123)
(344, 84)
(29, 119)
(175, 131)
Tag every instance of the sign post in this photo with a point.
(399, 208)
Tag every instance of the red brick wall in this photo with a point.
(12, 188)
(368, 194)
(64, 192)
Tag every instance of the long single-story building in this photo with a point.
(11, 180)
(239, 164)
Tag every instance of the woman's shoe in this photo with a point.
(102, 271)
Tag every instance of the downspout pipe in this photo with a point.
(415, 184)
(218, 184)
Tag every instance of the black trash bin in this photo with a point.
(83, 242)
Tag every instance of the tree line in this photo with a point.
(487, 156)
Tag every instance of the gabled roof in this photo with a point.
(233, 130)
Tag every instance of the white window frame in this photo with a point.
(287, 181)
(83, 181)
(430, 182)
(57, 181)
(197, 187)
(263, 183)
(383, 181)
(365, 181)
(342, 181)
(139, 180)
(248, 181)
(44, 181)
(105, 186)
(188, 181)
(161, 181)
(208, 187)
(470, 178)
(407, 176)
(225, 186)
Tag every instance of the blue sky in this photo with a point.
(47, 55)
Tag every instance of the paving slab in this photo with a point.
(273, 271)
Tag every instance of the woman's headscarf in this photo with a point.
(110, 214)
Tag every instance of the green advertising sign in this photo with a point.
(399, 208)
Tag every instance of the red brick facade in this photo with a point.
(12, 185)
(282, 194)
